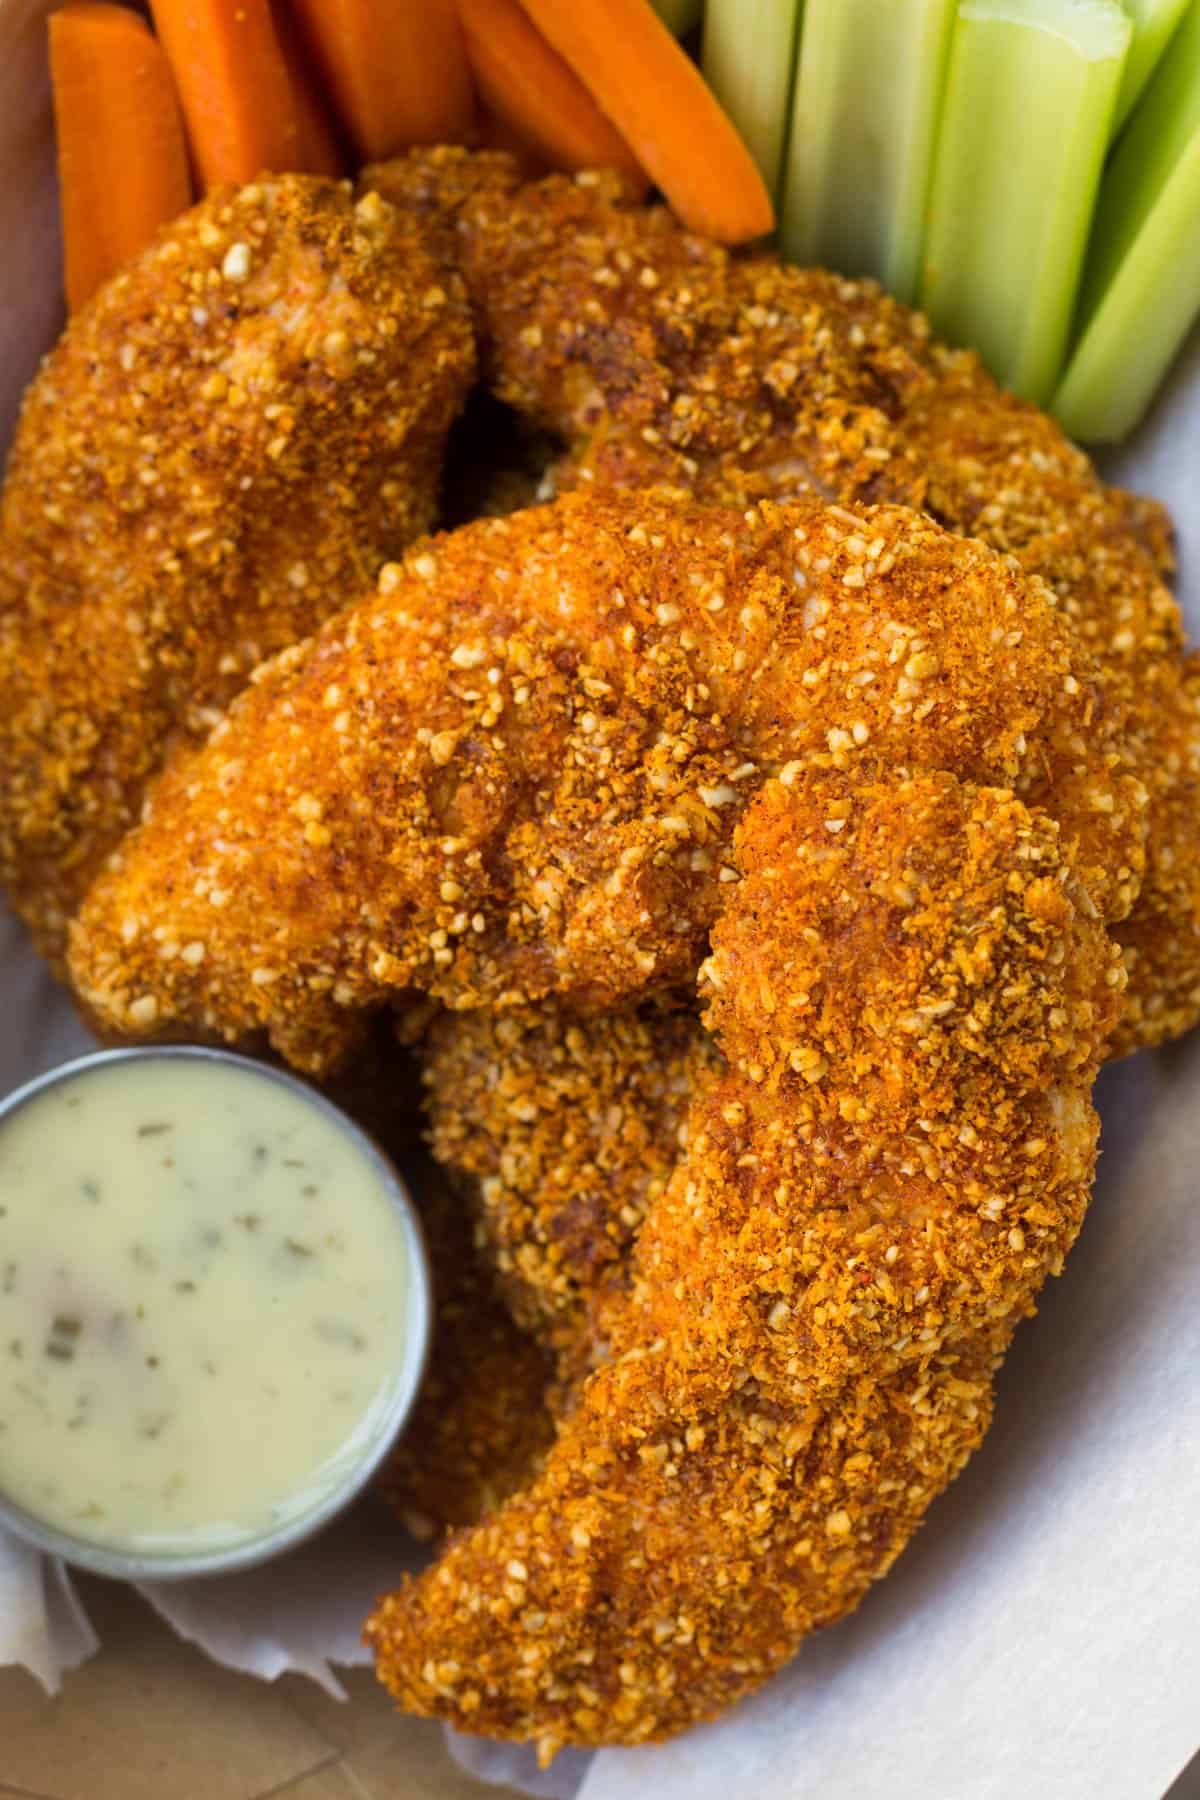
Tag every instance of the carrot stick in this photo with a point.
(527, 85)
(397, 71)
(239, 104)
(636, 73)
(320, 151)
(122, 160)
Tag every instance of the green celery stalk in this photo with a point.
(1141, 289)
(1028, 111)
(678, 15)
(1153, 23)
(868, 92)
(747, 55)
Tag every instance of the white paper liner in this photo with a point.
(1040, 1637)
(300, 1615)
(42, 1625)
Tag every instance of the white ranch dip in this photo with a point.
(203, 1285)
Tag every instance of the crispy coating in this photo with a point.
(562, 1131)
(515, 771)
(658, 356)
(913, 995)
(223, 449)
(557, 1133)
(481, 1421)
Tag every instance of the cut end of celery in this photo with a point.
(1093, 28)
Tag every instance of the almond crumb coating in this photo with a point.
(223, 449)
(659, 357)
(557, 1132)
(913, 995)
(561, 1131)
(481, 1421)
(514, 772)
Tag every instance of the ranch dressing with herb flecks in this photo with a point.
(202, 1305)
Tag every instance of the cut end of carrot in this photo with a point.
(750, 217)
(659, 102)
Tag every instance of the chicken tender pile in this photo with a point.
(858, 777)
(515, 772)
(657, 356)
(765, 841)
(223, 449)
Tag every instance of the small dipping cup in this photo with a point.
(214, 1292)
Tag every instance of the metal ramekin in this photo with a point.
(143, 1566)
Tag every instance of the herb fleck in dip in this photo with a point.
(202, 1305)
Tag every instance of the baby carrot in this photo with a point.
(238, 101)
(320, 151)
(658, 101)
(527, 85)
(397, 73)
(122, 160)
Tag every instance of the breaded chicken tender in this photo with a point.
(561, 1131)
(224, 448)
(482, 1420)
(514, 773)
(913, 994)
(659, 357)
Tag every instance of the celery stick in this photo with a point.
(1029, 105)
(678, 15)
(1141, 288)
(1153, 23)
(864, 121)
(747, 54)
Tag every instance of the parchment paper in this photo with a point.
(1040, 1639)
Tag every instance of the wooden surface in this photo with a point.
(150, 1718)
